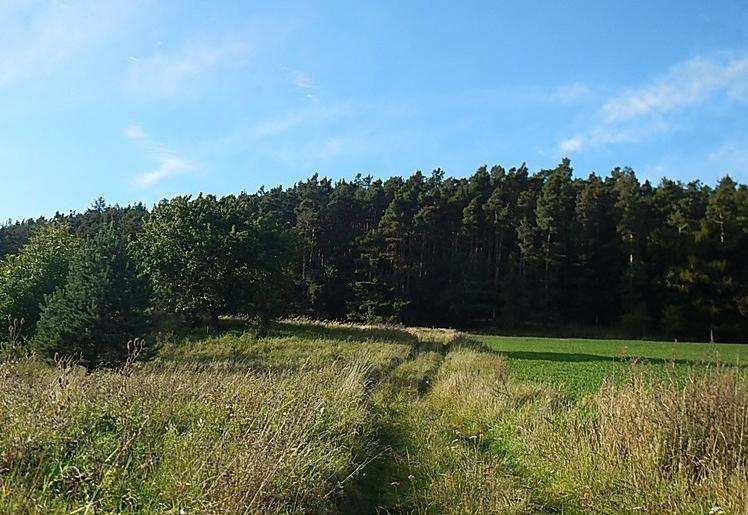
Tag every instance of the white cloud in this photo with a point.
(38, 37)
(570, 93)
(303, 81)
(300, 117)
(168, 166)
(639, 113)
(320, 151)
(311, 119)
(168, 163)
(572, 144)
(685, 84)
(135, 132)
(308, 138)
(727, 157)
(165, 75)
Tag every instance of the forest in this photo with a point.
(503, 250)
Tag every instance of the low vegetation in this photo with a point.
(340, 417)
(579, 367)
(187, 437)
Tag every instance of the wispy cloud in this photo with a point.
(684, 85)
(308, 137)
(38, 38)
(311, 119)
(639, 113)
(572, 144)
(564, 94)
(570, 93)
(135, 132)
(729, 156)
(320, 151)
(303, 80)
(167, 74)
(167, 162)
(300, 117)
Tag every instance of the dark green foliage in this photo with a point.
(512, 249)
(14, 235)
(501, 248)
(101, 306)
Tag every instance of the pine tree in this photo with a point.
(101, 306)
(596, 264)
(555, 217)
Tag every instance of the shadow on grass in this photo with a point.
(581, 358)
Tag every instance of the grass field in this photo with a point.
(579, 366)
(359, 419)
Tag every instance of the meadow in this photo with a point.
(317, 417)
(580, 366)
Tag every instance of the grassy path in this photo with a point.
(432, 459)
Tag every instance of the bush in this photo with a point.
(38, 269)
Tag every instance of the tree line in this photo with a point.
(505, 249)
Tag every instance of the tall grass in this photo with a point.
(480, 441)
(178, 438)
(337, 417)
(654, 444)
(440, 461)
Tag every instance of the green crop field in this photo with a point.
(320, 417)
(579, 366)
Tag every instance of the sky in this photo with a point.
(139, 100)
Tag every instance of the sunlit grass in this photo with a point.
(579, 366)
(166, 436)
(338, 417)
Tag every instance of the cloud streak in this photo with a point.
(168, 163)
(269, 131)
(639, 113)
(686, 84)
(39, 38)
(170, 74)
(570, 93)
(732, 157)
(303, 80)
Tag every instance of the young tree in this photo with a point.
(102, 305)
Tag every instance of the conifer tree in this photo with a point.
(102, 305)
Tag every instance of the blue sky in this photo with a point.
(137, 100)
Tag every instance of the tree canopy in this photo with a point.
(501, 248)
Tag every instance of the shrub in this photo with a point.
(37, 270)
